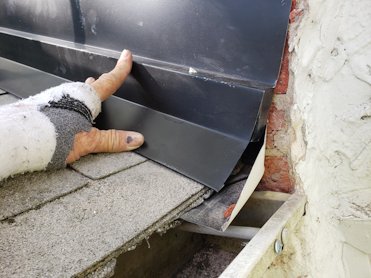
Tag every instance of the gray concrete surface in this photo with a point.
(98, 166)
(78, 232)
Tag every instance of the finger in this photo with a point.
(97, 141)
(108, 83)
(117, 141)
(89, 80)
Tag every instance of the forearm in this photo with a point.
(32, 131)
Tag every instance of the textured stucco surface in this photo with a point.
(331, 146)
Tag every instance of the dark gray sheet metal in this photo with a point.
(197, 123)
(211, 212)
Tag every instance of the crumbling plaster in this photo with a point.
(330, 81)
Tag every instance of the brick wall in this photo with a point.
(278, 174)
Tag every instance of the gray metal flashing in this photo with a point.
(194, 150)
(202, 78)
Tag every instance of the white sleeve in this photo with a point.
(28, 138)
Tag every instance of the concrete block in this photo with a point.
(28, 191)
(98, 166)
(73, 233)
(7, 98)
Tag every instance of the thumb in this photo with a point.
(98, 141)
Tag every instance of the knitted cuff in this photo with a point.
(69, 117)
(38, 132)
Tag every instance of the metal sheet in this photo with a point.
(181, 145)
(197, 122)
(240, 38)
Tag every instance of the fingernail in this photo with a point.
(134, 140)
(129, 139)
(125, 54)
(89, 80)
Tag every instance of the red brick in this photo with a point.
(293, 4)
(276, 122)
(276, 118)
(270, 139)
(295, 14)
(283, 79)
(277, 175)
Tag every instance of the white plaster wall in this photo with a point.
(331, 148)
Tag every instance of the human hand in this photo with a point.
(95, 140)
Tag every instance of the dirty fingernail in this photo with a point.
(134, 140)
(129, 139)
(125, 54)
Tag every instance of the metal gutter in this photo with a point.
(269, 242)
